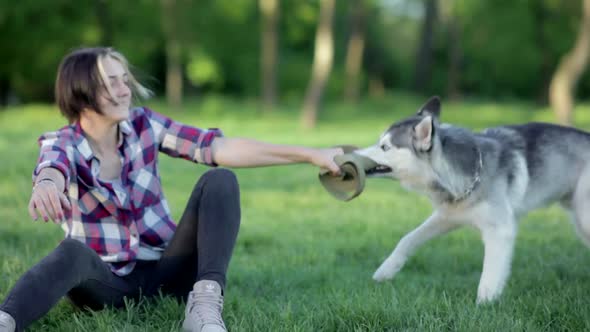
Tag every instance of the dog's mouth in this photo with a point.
(379, 169)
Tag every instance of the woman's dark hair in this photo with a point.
(80, 78)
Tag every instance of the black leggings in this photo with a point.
(201, 248)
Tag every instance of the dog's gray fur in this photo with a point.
(487, 180)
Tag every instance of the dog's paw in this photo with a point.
(486, 296)
(381, 275)
(482, 301)
(387, 270)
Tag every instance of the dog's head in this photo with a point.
(403, 151)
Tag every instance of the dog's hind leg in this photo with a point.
(580, 208)
(498, 230)
(434, 226)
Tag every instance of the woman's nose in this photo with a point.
(124, 90)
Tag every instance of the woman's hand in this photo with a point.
(48, 201)
(324, 158)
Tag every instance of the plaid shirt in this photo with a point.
(115, 217)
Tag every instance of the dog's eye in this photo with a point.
(384, 147)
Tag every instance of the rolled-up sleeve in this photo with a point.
(183, 141)
(52, 154)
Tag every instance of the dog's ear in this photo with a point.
(423, 132)
(431, 107)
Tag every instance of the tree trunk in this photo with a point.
(571, 67)
(455, 59)
(424, 54)
(269, 39)
(322, 64)
(376, 87)
(173, 54)
(4, 88)
(354, 52)
(541, 15)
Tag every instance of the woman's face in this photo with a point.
(117, 79)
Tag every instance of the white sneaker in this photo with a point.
(7, 323)
(204, 307)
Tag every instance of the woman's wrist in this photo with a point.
(38, 182)
(50, 174)
(311, 155)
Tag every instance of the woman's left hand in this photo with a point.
(324, 158)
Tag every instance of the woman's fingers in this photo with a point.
(39, 206)
(329, 162)
(32, 211)
(55, 202)
(48, 202)
(65, 202)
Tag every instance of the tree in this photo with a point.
(540, 16)
(454, 49)
(424, 54)
(322, 64)
(269, 53)
(569, 70)
(354, 51)
(173, 54)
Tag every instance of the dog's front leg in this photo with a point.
(434, 226)
(499, 245)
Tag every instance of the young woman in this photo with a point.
(99, 178)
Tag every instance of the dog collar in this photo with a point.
(474, 183)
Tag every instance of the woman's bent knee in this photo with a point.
(220, 175)
(220, 179)
(74, 252)
(72, 246)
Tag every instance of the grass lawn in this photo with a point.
(303, 261)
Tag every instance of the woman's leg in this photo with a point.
(96, 293)
(70, 265)
(203, 243)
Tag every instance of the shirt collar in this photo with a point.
(83, 145)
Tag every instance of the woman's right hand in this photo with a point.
(48, 201)
(324, 158)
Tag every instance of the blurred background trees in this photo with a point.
(306, 51)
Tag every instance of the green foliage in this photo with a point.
(34, 42)
(509, 48)
(506, 44)
(203, 70)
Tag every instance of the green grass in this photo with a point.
(303, 261)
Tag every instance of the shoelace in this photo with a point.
(207, 308)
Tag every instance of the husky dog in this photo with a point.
(487, 180)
